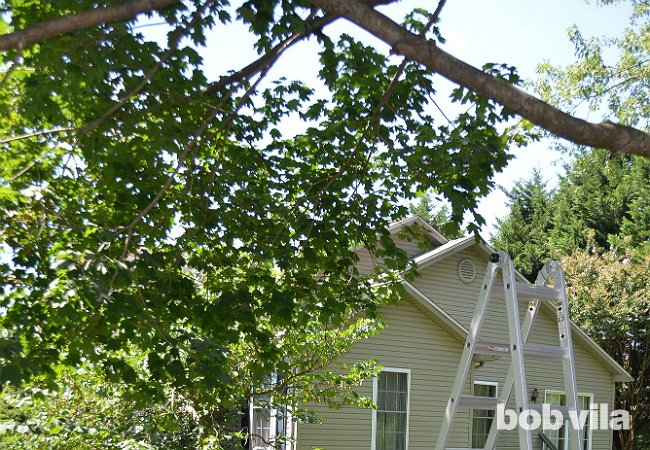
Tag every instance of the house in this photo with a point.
(420, 349)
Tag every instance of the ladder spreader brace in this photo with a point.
(517, 347)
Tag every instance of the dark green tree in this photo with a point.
(437, 214)
(601, 199)
(593, 197)
(524, 231)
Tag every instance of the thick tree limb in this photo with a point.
(608, 135)
(55, 27)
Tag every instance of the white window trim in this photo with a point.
(591, 401)
(373, 438)
(272, 425)
(273, 413)
(489, 383)
(471, 416)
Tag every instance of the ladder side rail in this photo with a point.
(531, 314)
(516, 347)
(568, 364)
(508, 384)
(466, 357)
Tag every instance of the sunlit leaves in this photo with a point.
(175, 240)
(610, 74)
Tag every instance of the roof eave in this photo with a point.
(432, 232)
(618, 373)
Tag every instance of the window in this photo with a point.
(390, 419)
(482, 418)
(263, 427)
(560, 437)
(270, 425)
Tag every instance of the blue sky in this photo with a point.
(522, 33)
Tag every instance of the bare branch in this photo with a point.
(61, 25)
(14, 65)
(270, 57)
(608, 135)
(37, 133)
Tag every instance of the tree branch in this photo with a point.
(14, 65)
(273, 54)
(270, 57)
(61, 25)
(148, 76)
(400, 70)
(608, 135)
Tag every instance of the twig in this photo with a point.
(270, 57)
(15, 63)
(604, 92)
(440, 109)
(400, 70)
(37, 133)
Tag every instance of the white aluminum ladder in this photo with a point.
(514, 292)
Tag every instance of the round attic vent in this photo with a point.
(466, 271)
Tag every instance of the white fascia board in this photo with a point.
(443, 251)
(435, 234)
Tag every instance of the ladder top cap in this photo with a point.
(494, 258)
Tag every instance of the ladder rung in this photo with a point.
(544, 350)
(482, 348)
(463, 448)
(527, 292)
(475, 402)
(563, 409)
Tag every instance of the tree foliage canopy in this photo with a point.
(151, 208)
(147, 205)
(523, 233)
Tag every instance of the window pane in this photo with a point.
(261, 428)
(482, 418)
(391, 381)
(401, 402)
(560, 437)
(392, 399)
(584, 402)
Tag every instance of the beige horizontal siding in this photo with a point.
(412, 248)
(410, 341)
(414, 340)
(366, 262)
